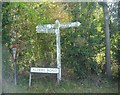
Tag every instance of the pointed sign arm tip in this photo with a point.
(78, 23)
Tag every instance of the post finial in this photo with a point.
(57, 24)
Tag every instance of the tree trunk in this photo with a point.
(107, 37)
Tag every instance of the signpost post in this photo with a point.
(53, 28)
(14, 58)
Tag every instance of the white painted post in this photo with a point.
(57, 26)
(30, 80)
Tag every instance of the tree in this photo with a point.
(107, 37)
(81, 45)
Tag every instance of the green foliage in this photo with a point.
(80, 46)
(7, 66)
(115, 34)
(83, 48)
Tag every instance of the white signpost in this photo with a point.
(52, 28)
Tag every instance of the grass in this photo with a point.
(66, 86)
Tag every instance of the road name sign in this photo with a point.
(44, 70)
